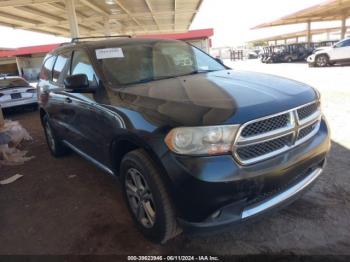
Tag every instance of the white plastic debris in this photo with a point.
(10, 179)
(11, 135)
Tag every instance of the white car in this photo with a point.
(15, 91)
(338, 53)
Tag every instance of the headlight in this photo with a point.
(210, 140)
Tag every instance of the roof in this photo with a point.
(326, 11)
(28, 50)
(193, 34)
(94, 16)
(298, 34)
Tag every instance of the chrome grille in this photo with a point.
(256, 150)
(266, 125)
(266, 137)
(305, 131)
(307, 111)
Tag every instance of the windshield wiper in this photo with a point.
(198, 72)
(149, 79)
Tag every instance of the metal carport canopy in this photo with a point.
(297, 34)
(327, 11)
(72, 18)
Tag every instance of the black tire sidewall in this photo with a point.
(158, 230)
(45, 123)
(60, 150)
(325, 56)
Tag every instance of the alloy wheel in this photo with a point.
(140, 198)
(321, 61)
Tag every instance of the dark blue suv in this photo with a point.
(195, 144)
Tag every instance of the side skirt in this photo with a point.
(89, 158)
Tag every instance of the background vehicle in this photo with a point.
(15, 91)
(286, 53)
(338, 53)
(195, 144)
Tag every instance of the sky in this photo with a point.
(231, 20)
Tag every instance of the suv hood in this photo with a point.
(223, 97)
(322, 49)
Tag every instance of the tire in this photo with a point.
(322, 60)
(56, 147)
(289, 60)
(147, 198)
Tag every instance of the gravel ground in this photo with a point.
(67, 206)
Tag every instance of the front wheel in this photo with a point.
(322, 60)
(147, 198)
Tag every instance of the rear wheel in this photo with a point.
(322, 60)
(147, 198)
(56, 147)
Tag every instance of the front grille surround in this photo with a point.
(303, 123)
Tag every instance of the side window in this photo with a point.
(61, 67)
(81, 65)
(345, 43)
(46, 70)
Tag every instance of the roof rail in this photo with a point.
(76, 39)
(65, 43)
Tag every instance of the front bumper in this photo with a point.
(228, 216)
(311, 59)
(215, 191)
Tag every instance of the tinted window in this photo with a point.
(344, 43)
(81, 65)
(61, 67)
(137, 63)
(46, 70)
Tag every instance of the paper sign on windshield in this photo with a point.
(109, 53)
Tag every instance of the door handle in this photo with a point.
(68, 100)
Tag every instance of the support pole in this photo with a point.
(107, 27)
(308, 29)
(343, 28)
(72, 18)
(19, 68)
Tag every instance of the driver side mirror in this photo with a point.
(78, 84)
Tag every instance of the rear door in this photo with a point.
(63, 112)
(52, 90)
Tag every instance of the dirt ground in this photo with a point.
(67, 206)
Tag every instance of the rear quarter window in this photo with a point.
(61, 67)
(46, 70)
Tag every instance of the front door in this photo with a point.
(341, 51)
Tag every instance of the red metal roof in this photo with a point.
(193, 34)
(28, 50)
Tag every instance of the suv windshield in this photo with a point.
(140, 63)
(12, 82)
